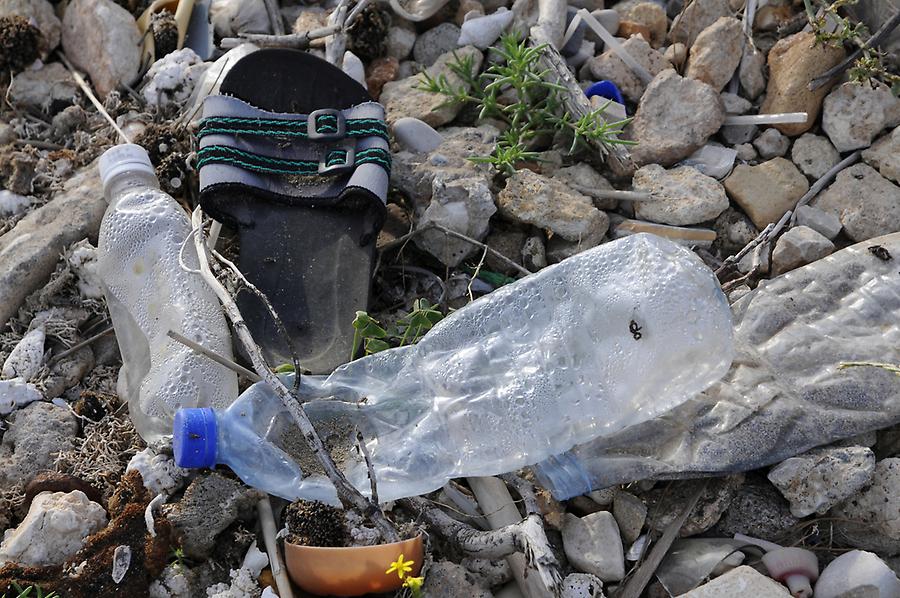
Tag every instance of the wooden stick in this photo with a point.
(198, 348)
(299, 41)
(78, 346)
(90, 94)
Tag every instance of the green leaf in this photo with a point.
(374, 345)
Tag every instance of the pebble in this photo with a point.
(771, 144)
(814, 155)
(582, 585)
(354, 67)
(400, 42)
(534, 253)
(483, 31)
(13, 204)
(676, 54)
(741, 581)
(653, 17)
(26, 358)
(878, 506)
(15, 393)
(36, 435)
(404, 98)
(885, 155)
(468, 9)
(675, 117)
(102, 38)
(667, 503)
(712, 160)
(54, 529)
(380, 71)
(816, 481)
(593, 545)
(799, 246)
(735, 104)
(867, 204)
(757, 510)
(793, 62)
(449, 580)
(696, 17)
(746, 152)
(41, 13)
(584, 176)
(856, 570)
(530, 198)
(608, 66)
(716, 53)
(855, 114)
(766, 191)
(48, 89)
(435, 42)
(629, 29)
(158, 472)
(752, 71)
(682, 195)
(733, 231)
(826, 224)
(415, 135)
(630, 513)
(230, 18)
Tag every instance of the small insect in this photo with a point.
(635, 330)
(881, 253)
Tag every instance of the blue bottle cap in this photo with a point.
(194, 437)
(605, 89)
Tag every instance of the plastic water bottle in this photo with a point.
(148, 293)
(604, 340)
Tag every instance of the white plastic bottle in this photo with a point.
(148, 293)
(606, 339)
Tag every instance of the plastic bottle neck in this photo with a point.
(127, 181)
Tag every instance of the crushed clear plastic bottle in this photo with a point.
(604, 340)
(148, 293)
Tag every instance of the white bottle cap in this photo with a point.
(127, 157)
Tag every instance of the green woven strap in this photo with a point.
(270, 127)
(223, 154)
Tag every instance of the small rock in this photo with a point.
(867, 204)
(230, 18)
(380, 71)
(13, 204)
(36, 435)
(39, 12)
(404, 98)
(665, 504)
(814, 155)
(855, 114)
(885, 156)
(48, 89)
(735, 104)
(354, 67)
(582, 585)
(696, 17)
(741, 581)
(771, 144)
(16, 393)
(449, 580)
(583, 176)
(630, 513)
(172, 78)
(757, 510)
(54, 529)
(733, 231)
(793, 62)
(653, 17)
(102, 38)
(415, 135)
(746, 152)
(820, 479)
(400, 42)
(716, 53)
(463, 205)
(26, 358)
(676, 54)
(610, 67)
(158, 472)
(713, 160)
(488, 574)
(209, 505)
(507, 243)
(534, 254)
(593, 545)
(675, 117)
(471, 8)
(738, 134)
(435, 42)
(681, 195)
(530, 198)
(878, 506)
(799, 246)
(827, 225)
(483, 31)
(629, 29)
(752, 71)
(766, 191)
(855, 570)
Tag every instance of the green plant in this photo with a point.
(869, 67)
(27, 592)
(845, 30)
(409, 329)
(515, 90)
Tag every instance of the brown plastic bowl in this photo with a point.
(352, 571)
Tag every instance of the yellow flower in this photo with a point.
(400, 566)
(413, 583)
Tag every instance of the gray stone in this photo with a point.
(681, 195)
(771, 144)
(559, 249)
(530, 198)
(675, 117)
(610, 67)
(508, 243)
(449, 580)
(415, 135)
(741, 581)
(857, 574)
(630, 513)
(433, 43)
(102, 38)
(746, 152)
(752, 71)
(855, 114)
(666, 504)
(877, 507)
(464, 205)
(583, 176)
(738, 134)
(209, 505)
(534, 254)
(716, 53)
(827, 225)
(757, 510)
(818, 480)
(483, 31)
(885, 155)
(582, 585)
(696, 17)
(766, 191)
(36, 435)
(735, 104)
(713, 160)
(593, 545)
(41, 13)
(400, 42)
(676, 54)
(488, 574)
(652, 16)
(30, 251)
(797, 247)
(404, 98)
(814, 155)
(49, 89)
(867, 204)
(733, 231)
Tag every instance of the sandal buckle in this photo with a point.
(312, 124)
(325, 167)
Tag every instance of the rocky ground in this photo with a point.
(772, 209)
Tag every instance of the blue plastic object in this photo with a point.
(605, 89)
(194, 439)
